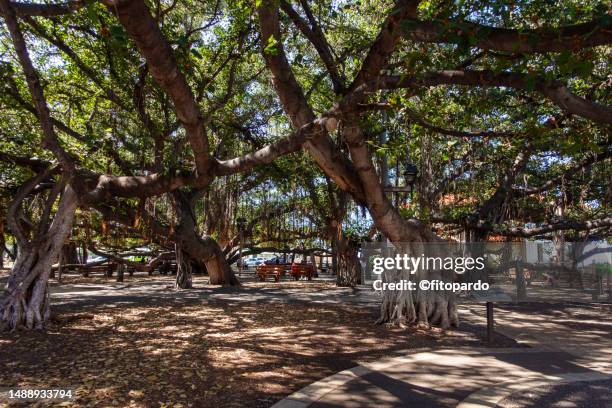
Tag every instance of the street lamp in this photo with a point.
(240, 224)
(410, 175)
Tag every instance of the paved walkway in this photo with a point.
(477, 378)
(586, 336)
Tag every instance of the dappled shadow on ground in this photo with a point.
(244, 354)
(582, 394)
(582, 329)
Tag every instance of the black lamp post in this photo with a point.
(240, 224)
(410, 175)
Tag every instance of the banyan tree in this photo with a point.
(197, 103)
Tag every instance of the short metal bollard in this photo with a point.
(490, 323)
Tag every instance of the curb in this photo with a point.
(313, 392)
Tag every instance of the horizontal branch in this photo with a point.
(269, 153)
(149, 266)
(567, 175)
(560, 225)
(553, 90)
(105, 187)
(46, 10)
(299, 251)
(525, 41)
(36, 165)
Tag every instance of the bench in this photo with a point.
(299, 270)
(277, 271)
(85, 269)
(526, 275)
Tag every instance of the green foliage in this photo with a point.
(218, 50)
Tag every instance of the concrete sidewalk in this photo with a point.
(558, 354)
(587, 336)
(443, 378)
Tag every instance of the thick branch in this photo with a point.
(553, 90)
(321, 148)
(142, 28)
(36, 165)
(105, 188)
(574, 37)
(22, 193)
(267, 154)
(46, 10)
(385, 43)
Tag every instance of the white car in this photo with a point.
(252, 262)
(96, 259)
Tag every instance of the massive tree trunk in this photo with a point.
(422, 307)
(359, 177)
(436, 307)
(193, 246)
(26, 299)
(219, 271)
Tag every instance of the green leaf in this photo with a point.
(118, 34)
(271, 46)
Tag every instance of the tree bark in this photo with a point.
(69, 252)
(357, 177)
(184, 271)
(84, 254)
(25, 303)
(349, 271)
(424, 308)
(521, 285)
(120, 272)
(203, 249)
(2, 244)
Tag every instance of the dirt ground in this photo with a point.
(171, 353)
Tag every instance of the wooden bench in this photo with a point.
(277, 271)
(106, 268)
(526, 274)
(299, 270)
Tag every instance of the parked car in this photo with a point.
(96, 259)
(252, 262)
(276, 260)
